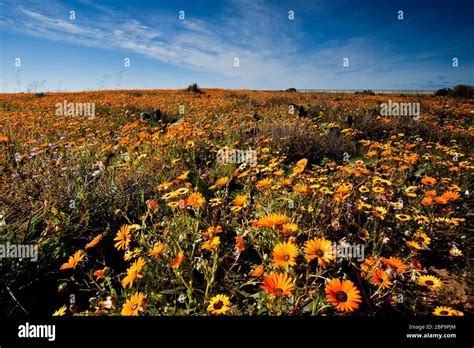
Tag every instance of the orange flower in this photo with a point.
(240, 200)
(428, 181)
(123, 237)
(100, 273)
(93, 242)
(134, 305)
(73, 260)
(381, 279)
(153, 204)
(343, 295)
(133, 272)
(195, 200)
(157, 249)
(178, 259)
(211, 231)
(271, 220)
(395, 264)
(257, 271)
(289, 229)
(427, 201)
(321, 249)
(450, 196)
(278, 284)
(264, 184)
(284, 254)
(239, 244)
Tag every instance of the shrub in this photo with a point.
(194, 88)
(459, 91)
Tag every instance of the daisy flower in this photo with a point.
(321, 249)
(343, 295)
(284, 254)
(219, 305)
(278, 284)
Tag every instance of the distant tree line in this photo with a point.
(459, 91)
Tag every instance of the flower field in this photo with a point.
(341, 212)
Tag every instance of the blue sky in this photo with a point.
(274, 52)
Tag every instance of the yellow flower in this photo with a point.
(403, 217)
(123, 237)
(180, 191)
(378, 189)
(429, 281)
(60, 312)
(300, 166)
(443, 311)
(455, 252)
(379, 212)
(414, 246)
(157, 249)
(134, 305)
(222, 181)
(215, 202)
(183, 176)
(219, 304)
(423, 237)
(211, 243)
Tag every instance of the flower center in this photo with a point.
(444, 312)
(341, 296)
(218, 305)
(286, 257)
(279, 291)
(319, 253)
(135, 306)
(429, 282)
